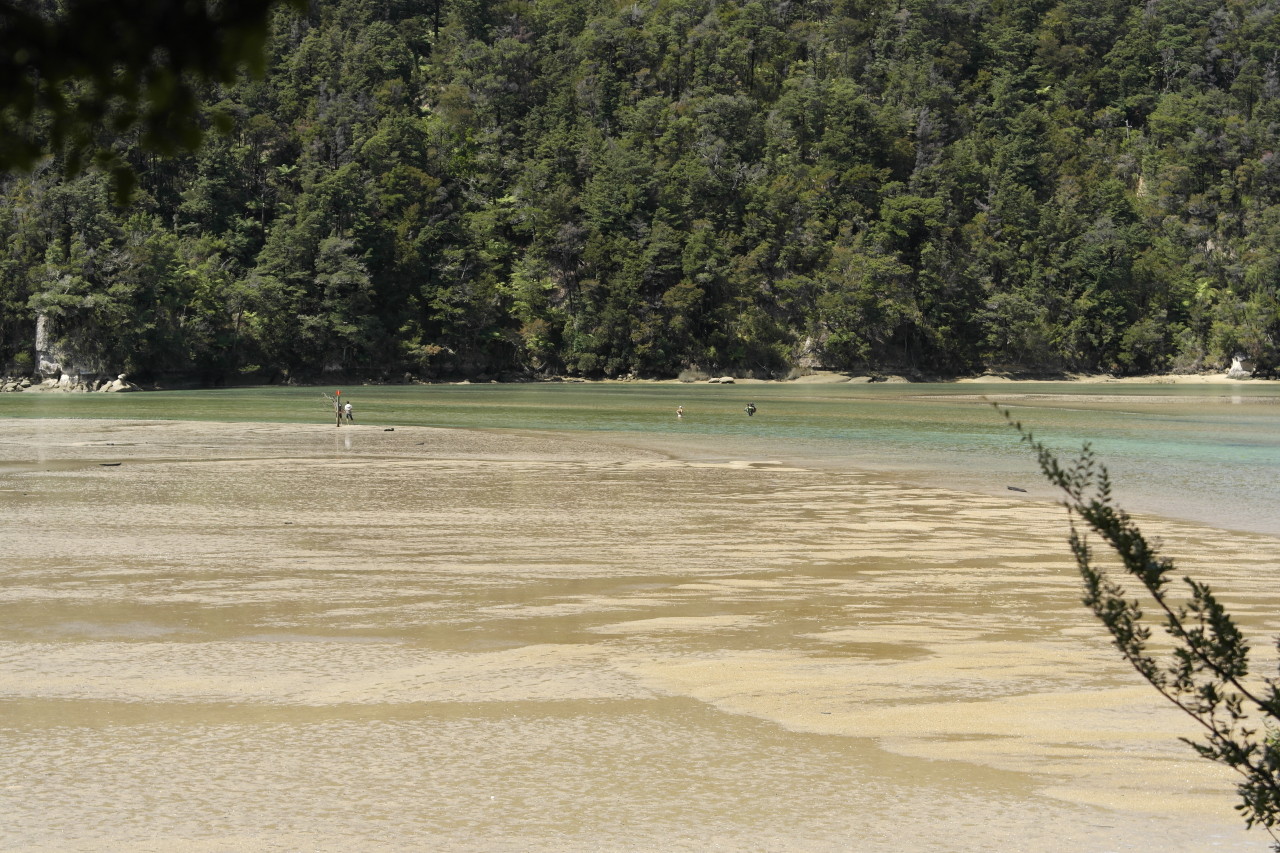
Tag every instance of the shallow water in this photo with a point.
(1208, 453)
(650, 637)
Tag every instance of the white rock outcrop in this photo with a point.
(1241, 367)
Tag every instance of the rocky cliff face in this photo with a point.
(48, 357)
(58, 369)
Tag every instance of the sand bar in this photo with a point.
(235, 636)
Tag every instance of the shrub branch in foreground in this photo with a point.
(1205, 672)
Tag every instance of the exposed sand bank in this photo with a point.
(1152, 379)
(830, 377)
(356, 639)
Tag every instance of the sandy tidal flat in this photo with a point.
(260, 637)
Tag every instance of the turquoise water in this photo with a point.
(1208, 453)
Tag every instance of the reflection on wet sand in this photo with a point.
(261, 637)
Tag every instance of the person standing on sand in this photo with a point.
(347, 410)
(337, 408)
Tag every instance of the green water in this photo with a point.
(1208, 453)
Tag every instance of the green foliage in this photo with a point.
(570, 185)
(1203, 666)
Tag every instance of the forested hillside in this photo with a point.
(589, 187)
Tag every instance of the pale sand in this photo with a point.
(826, 377)
(1146, 379)
(260, 575)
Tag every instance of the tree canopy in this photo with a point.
(586, 187)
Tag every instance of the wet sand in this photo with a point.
(260, 637)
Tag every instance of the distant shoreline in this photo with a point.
(817, 377)
(827, 377)
(822, 377)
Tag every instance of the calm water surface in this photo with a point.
(1207, 453)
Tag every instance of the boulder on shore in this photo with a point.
(118, 384)
(1241, 367)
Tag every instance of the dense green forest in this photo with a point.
(590, 187)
